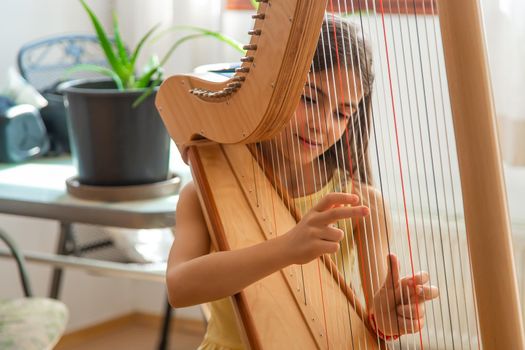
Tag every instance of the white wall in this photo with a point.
(26, 20)
(139, 16)
(505, 31)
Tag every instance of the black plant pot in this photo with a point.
(55, 120)
(112, 143)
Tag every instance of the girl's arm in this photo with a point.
(396, 304)
(195, 276)
(372, 236)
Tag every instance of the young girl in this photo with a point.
(331, 188)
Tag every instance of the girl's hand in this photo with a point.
(399, 306)
(315, 235)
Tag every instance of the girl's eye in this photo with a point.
(341, 115)
(308, 99)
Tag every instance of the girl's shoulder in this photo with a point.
(189, 204)
(370, 195)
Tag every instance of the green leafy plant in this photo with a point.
(123, 64)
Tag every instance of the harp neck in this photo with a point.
(261, 98)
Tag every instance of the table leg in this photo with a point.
(65, 236)
(165, 332)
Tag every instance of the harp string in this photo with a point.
(333, 80)
(404, 133)
(300, 281)
(407, 162)
(333, 96)
(447, 147)
(434, 185)
(357, 115)
(321, 296)
(366, 128)
(327, 119)
(440, 217)
(434, 179)
(360, 245)
(382, 177)
(440, 230)
(415, 148)
(383, 314)
(381, 138)
(426, 181)
(453, 268)
(400, 165)
(318, 116)
(342, 145)
(340, 186)
(301, 192)
(316, 189)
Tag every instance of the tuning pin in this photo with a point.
(261, 0)
(242, 70)
(234, 85)
(252, 47)
(255, 32)
(247, 59)
(258, 16)
(238, 78)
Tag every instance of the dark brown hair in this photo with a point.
(348, 46)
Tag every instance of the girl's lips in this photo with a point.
(307, 142)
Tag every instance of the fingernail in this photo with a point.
(419, 290)
(365, 211)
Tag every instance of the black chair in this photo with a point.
(29, 323)
(44, 63)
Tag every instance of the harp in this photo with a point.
(215, 121)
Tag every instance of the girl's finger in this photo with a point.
(332, 234)
(411, 311)
(327, 247)
(411, 326)
(424, 293)
(421, 277)
(336, 199)
(392, 275)
(335, 214)
(417, 293)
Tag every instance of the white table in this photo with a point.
(38, 189)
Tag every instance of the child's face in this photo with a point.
(327, 105)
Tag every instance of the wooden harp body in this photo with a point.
(213, 122)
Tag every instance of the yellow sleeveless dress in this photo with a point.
(222, 332)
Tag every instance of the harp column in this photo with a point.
(484, 197)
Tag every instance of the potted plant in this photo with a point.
(117, 136)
